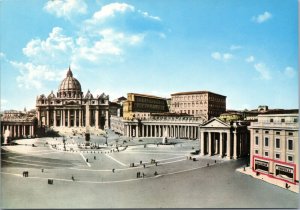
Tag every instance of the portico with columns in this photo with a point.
(230, 140)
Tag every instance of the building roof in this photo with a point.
(171, 114)
(195, 92)
(280, 111)
(146, 96)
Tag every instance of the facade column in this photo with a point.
(209, 144)
(75, 117)
(235, 145)
(48, 118)
(221, 145)
(54, 118)
(64, 118)
(80, 118)
(97, 118)
(151, 133)
(202, 143)
(69, 118)
(106, 119)
(228, 145)
(87, 115)
(61, 118)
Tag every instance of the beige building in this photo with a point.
(71, 108)
(274, 148)
(198, 103)
(140, 106)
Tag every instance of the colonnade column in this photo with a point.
(228, 145)
(221, 145)
(209, 143)
(202, 142)
(19, 130)
(234, 145)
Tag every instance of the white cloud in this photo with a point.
(289, 72)
(235, 47)
(263, 70)
(57, 48)
(33, 76)
(250, 59)
(262, 17)
(104, 38)
(110, 10)
(66, 8)
(221, 57)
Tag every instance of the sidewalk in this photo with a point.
(248, 171)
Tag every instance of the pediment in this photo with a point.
(215, 123)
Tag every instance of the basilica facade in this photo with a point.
(69, 107)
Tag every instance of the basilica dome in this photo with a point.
(69, 87)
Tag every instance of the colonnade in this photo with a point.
(224, 143)
(19, 130)
(173, 131)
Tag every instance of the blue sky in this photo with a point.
(246, 50)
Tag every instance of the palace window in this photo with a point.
(256, 140)
(266, 132)
(277, 133)
(256, 131)
(277, 156)
(295, 120)
(266, 141)
(290, 144)
(277, 143)
(271, 120)
(266, 154)
(256, 151)
(282, 120)
(290, 134)
(290, 158)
